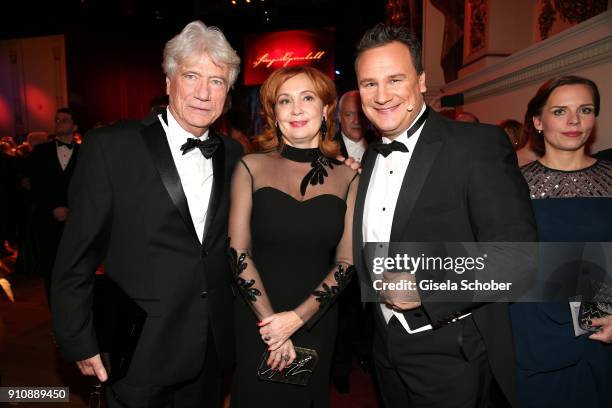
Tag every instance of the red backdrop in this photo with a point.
(113, 78)
(269, 51)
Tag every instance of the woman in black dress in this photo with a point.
(290, 240)
(572, 200)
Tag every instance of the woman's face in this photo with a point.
(299, 112)
(567, 118)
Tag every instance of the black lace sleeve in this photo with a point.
(239, 249)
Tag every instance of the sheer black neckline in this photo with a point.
(300, 155)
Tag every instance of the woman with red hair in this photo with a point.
(290, 244)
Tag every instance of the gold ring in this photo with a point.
(285, 357)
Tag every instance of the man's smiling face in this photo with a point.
(390, 88)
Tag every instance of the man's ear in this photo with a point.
(422, 84)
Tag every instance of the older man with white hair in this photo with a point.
(353, 126)
(150, 202)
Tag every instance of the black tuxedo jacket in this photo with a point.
(462, 185)
(129, 212)
(49, 182)
(340, 141)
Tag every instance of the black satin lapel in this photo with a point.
(155, 139)
(343, 150)
(422, 159)
(367, 165)
(218, 161)
(73, 159)
(71, 163)
(54, 156)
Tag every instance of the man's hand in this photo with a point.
(60, 213)
(350, 162)
(93, 366)
(401, 306)
(605, 333)
(405, 298)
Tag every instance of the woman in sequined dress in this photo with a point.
(572, 199)
(290, 241)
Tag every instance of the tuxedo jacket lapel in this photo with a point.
(155, 139)
(73, 159)
(340, 141)
(53, 157)
(422, 159)
(367, 165)
(218, 161)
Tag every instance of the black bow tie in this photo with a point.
(207, 147)
(68, 145)
(386, 149)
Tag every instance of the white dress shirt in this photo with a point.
(63, 155)
(383, 192)
(354, 149)
(195, 172)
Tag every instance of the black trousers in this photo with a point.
(47, 250)
(445, 368)
(204, 391)
(355, 328)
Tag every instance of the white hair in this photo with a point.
(346, 95)
(196, 38)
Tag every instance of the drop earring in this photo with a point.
(323, 129)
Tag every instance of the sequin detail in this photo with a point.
(544, 182)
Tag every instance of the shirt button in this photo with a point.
(204, 294)
(391, 172)
(384, 208)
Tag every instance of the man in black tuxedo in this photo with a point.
(434, 180)
(150, 202)
(52, 166)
